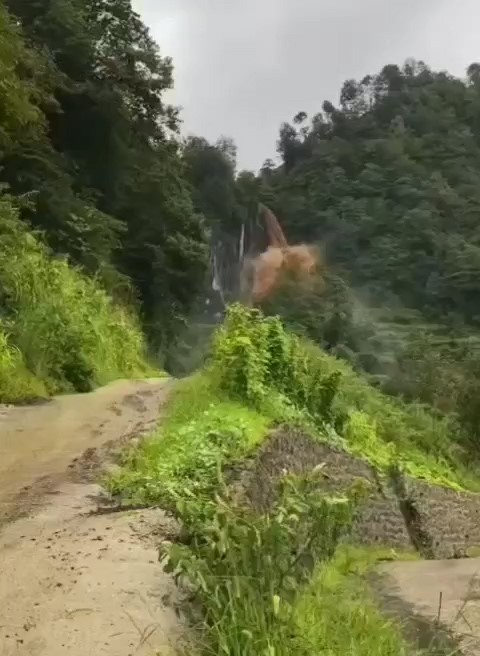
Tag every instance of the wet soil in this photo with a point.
(74, 580)
(40, 445)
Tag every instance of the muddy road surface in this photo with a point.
(38, 443)
(75, 578)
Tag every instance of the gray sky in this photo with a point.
(244, 66)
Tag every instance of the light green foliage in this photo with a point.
(257, 360)
(65, 329)
(16, 382)
(203, 431)
(337, 614)
(247, 570)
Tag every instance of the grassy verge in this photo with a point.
(202, 432)
(59, 330)
(336, 613)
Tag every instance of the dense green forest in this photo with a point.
(87, 140)
(94, 171)
(92, 175)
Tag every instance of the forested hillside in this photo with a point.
(88, 141)
(94, 198)
(386, 183)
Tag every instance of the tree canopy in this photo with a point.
(88, 138)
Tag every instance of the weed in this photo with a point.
(247, 570)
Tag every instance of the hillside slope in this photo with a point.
(59, 330)
(281, 526)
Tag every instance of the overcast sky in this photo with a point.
(244, 66)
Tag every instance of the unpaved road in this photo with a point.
(437, 591)
(38, 443)
(73, 581)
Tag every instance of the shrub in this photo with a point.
(254, 356)
(246, 570)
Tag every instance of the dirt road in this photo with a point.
(73, 581)
(38, 443)
(438, 601)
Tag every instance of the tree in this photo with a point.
(109, 185)
(19, 95)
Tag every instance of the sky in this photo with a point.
(242, 67)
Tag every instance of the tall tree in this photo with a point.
(110, 186)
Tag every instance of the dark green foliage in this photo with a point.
(102, 167)
(390, 181)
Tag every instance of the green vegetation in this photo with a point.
(256, 359)
(60, 331)
(202, 432)
(86, 137)
(247, 570)
(278, 583)
(106, 222)
(387, 183)
(337, 614)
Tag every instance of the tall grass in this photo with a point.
(201, 432)
(63, 326)
(16, 382)
(337, 613)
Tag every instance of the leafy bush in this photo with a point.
(254, 356)
(246, 570)
(68, 331)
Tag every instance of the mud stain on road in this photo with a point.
(74, 580)
(38, 443)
